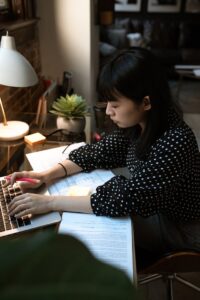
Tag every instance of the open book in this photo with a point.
(109, 239)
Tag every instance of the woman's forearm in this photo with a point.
(58, 171)
(71, 204)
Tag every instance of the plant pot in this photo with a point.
(71, 125)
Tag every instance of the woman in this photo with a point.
(158, 148)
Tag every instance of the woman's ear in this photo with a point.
(147, 103)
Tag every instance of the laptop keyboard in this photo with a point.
(8, 222)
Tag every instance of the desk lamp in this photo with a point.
(15, 71)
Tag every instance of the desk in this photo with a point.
(13, 153)
(99, 234)
(120, 230)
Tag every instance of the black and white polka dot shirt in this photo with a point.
(167, 182)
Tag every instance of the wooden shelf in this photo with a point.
(15, 25)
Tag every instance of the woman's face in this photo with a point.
(126, 113)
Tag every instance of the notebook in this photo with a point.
(11, 225)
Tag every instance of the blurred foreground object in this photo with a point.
(50, 265)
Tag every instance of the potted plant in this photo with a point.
(71, 111)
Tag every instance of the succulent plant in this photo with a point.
(70, 106)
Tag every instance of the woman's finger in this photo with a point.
(24, 213)
(35, 204)
(29, 178)
(19, 206)
(18, 200)
(15, 175)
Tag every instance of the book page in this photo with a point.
(109, 239)
(90, 180)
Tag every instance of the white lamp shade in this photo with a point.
(15, 70)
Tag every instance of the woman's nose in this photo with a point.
(108, 110)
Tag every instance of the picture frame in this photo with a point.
(164, 6)
(192, 6)
(4, 4)
(128, 5)
(5, 10)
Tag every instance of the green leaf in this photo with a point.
(52, 266)
(70, 106)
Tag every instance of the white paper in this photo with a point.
(91, 180)
(109, 239)
(42, 160)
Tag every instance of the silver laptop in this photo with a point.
(11, 225)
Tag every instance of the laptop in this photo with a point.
(11, 225)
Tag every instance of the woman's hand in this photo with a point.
(34, 179)
(29, 203)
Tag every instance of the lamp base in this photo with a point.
(14, 130)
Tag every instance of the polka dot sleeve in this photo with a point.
(108, 153)
(156, 185)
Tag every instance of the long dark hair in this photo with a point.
(136, 73)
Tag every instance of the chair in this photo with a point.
(169, 266)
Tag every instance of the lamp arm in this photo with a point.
(3, 113)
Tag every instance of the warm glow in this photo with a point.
(3, 113)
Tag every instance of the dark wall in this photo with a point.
(173, 37)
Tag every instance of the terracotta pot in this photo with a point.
(74, 125)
